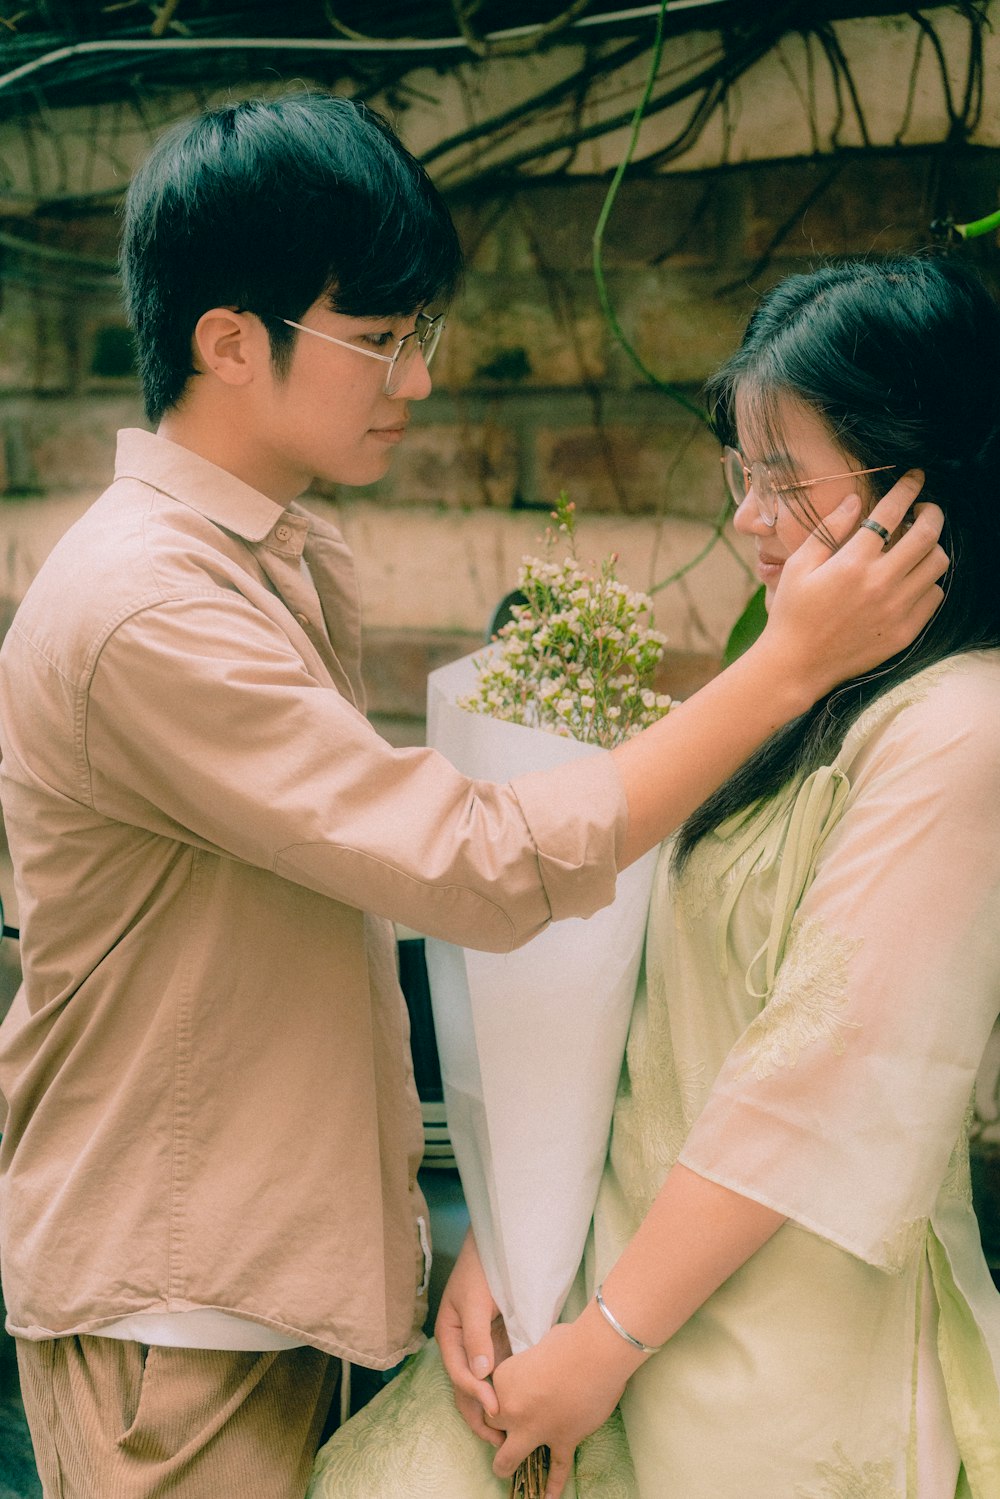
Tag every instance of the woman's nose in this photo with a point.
(748, 520)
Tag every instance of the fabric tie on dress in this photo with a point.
(794, 845)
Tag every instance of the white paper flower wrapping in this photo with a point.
(531, 1045)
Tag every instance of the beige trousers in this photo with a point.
(115, 1420)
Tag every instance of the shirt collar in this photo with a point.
(212, 491)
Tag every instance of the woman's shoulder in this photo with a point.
(953, 703)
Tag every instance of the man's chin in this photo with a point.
(356, 477)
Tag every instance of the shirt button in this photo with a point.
(283, 532)
(303, 619)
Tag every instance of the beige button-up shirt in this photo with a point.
(210, 1102)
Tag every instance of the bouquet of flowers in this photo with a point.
(531, 1042)
(578, 655)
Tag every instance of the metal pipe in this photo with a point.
(324, 44)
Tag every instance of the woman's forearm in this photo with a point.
(694, 1237)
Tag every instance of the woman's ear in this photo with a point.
(230, 345)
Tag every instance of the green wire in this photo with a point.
(979, 226)
(605, 214)
(718, 526)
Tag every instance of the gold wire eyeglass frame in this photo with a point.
(768, 512)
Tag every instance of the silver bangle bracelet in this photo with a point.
(613, 1321)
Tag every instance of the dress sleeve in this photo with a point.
(202, 723)
(842, 1102)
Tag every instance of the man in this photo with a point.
(209, 1164)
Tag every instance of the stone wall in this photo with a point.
(533, 394)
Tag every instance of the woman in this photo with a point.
(784, 1290)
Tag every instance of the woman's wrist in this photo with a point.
(602, 1347)
(616, 1326)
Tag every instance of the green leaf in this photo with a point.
(746, 629)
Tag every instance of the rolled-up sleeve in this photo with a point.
(200, 721)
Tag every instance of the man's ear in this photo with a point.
(231, 345)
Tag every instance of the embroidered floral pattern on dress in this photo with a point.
(903, 696)
(658, 1055)
(842, 1479)
(603, 1465)
(898, 1248)
(405, 1442)
(706, 878)
(806, 1006)
(698, 885)
(657, 1103)
(957, 1184)
(652, 1129)
(411, 1443)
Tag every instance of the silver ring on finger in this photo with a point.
(873, 525)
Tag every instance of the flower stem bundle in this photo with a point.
(530, 1479)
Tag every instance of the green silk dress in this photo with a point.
(820, 984)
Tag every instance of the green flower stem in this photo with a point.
(718, 530)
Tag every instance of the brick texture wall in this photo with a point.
(533, 393)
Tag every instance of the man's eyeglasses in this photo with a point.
(426, 336)
(741, 480)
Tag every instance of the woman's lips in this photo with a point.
(769, 568)
(388, 434)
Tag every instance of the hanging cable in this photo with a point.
(602, 224)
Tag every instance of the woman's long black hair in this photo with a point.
(901, 360)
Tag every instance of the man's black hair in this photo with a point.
(267, 205)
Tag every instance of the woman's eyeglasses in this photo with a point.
(741, 480)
